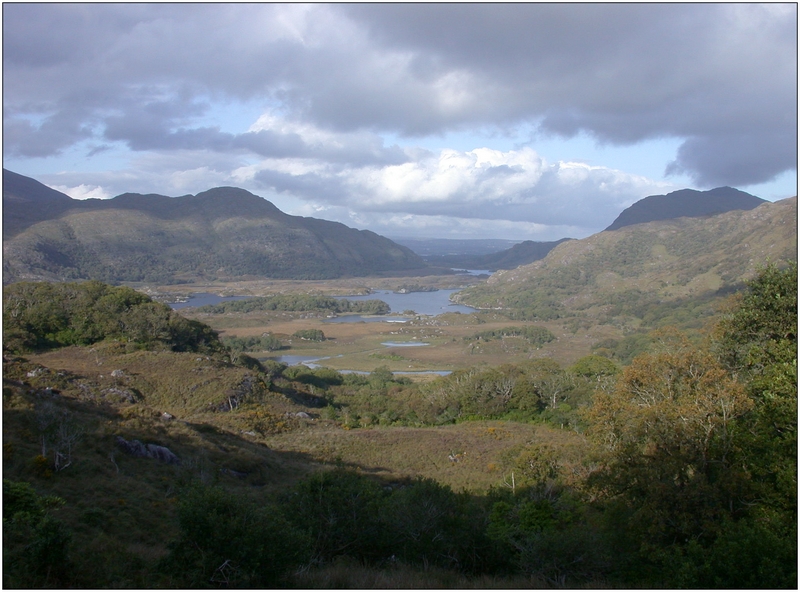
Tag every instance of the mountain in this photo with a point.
(642, 266)
(220, 233)
(26, 202)
(686, 203)
(437, 247)
(520, 254)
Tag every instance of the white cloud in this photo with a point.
(516, 186)
(479, 175)
(83, 191)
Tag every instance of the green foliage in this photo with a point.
(751, 553)
(669, 429)
(419, 522)
(266, 342)
(536, 336)
(758, 341)
(594, 366)
(38, 316)
(298, 303)
(624, 350)
(310, 335)
(341, 511)
(35, 544)
(228, 541)
(700, 449)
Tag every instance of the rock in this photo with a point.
(167, 416)
(154, 451)
(122, 395)
(117, 374)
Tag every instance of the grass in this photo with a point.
(122, 509)
(486, 449)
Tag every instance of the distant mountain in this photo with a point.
(225, 232)
(644, 266)
(438, 247)
(519, 254)
(688, 203)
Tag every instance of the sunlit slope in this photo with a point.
(664, 260)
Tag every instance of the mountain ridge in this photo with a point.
(685, 203)
(645, 264)
(221, 232)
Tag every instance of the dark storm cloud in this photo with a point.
(626, 72)
(722, 77)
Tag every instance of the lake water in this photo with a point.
(203, 299)
(423, 303)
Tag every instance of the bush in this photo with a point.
(309, 335)
(40, 316)
(227, 541)
(35, 545)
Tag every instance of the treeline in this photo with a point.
(41, 315)
(539, 390)
(298, 303)
(534, 335)
(266, 342)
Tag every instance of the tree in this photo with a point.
(757, 340)
(227, 541)
(35, 544)
(668, 432)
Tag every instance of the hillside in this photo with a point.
(640, 266)
(686, 203)
(520, 254)
(139, 453)
(223, 232)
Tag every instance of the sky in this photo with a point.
(514, 121)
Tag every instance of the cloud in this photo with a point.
(334, 80)
(485, 184)
(82, 191)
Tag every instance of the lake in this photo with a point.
(203, 299)
(423, 303)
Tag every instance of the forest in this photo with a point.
(683, 472)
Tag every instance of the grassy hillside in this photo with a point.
(221, 233)
(634, 271)
(520, 254)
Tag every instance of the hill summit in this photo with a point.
(686, 203)
(224, 232)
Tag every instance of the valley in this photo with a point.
(358, 346)
(484, 430)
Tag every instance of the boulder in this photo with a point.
(154, 451)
